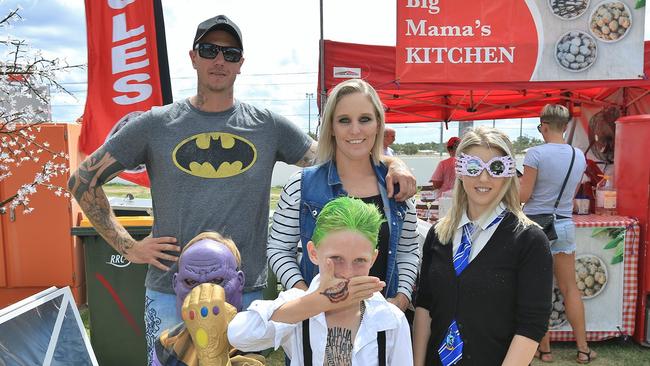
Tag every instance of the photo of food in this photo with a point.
(568, 9)
(558, 314)
(610, 21)
(575, 51)
(591, 275)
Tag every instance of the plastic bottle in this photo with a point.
(605, 197)
(444, 203)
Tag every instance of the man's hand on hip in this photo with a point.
(152, 250)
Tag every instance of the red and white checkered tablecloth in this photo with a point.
(630, 281)
(602, 221)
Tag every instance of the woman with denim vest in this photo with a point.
(349, 156)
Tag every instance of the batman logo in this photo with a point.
(214, 155)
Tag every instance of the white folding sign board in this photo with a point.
(44, 329)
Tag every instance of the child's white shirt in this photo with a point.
(253, 330)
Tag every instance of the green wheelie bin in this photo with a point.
(115, 293)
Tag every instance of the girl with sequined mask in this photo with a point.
(484, 294)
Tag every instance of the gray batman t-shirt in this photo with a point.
(210, 172)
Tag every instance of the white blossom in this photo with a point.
(21, 69)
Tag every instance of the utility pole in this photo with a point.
(309, 96)
(440, 151)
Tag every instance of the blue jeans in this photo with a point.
(249, 297)
(160, 314)
(566, 237)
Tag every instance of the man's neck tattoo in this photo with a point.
(338, 292)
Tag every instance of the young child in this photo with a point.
(208, 277)
(343, 317)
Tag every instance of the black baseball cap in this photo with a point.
(220, 22)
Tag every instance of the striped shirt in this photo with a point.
(282, 248)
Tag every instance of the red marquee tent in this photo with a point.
(426, 102)
(444, 102)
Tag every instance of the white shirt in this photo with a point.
(388, 151)
(253, 330)
(483, 236)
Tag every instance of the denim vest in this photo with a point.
(321, 184)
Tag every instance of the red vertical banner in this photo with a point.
(124, 77)
(465, 41)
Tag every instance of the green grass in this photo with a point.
(121, 190)
(85, 318)
(275, 196)
(615, 352)
(276, 358)
(610, 353)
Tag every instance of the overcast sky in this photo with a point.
(280, 41)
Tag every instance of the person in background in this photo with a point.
(389, 138)
(444, 176)
(484, 293)
(342, 318)
(349, 156)
(545, 168)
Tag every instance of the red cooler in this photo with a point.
(632, 179)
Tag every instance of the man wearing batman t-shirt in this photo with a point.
(209, 159)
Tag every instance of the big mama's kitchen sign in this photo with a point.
(518, 40)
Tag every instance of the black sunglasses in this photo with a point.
(210, 51)
(539, 126)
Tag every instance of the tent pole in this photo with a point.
(322, 91)
(441, 138)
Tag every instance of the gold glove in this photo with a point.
(207, 315)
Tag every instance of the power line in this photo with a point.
(194, 76)
(260, 74)
(188, 89)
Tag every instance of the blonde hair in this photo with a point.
(492, 139)
(211, 235)
(556, 116)
(326, 142)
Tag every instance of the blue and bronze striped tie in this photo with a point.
(451, 348)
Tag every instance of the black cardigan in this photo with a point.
(505, 290)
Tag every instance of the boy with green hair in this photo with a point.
(342, 319)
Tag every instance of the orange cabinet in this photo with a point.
(37, 250)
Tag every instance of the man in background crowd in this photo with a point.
(389, 138)
(445, 174)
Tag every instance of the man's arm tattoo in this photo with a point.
(337, 293)
(310, 156)
(85, 185)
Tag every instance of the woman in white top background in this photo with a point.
(545, 168)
